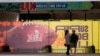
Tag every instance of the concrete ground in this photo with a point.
(7, 54)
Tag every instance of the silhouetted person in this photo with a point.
(93, 49)
(74, 40)
(67, 39)
(5, 48)
(49, 48)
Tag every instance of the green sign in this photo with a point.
(64, 6)
(10, 6)
(24, 6)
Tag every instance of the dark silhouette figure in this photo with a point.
(49, 48)
(93, 48)
(67, 39)
(74, 40)
(5, 48)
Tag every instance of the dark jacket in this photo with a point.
(74, 38)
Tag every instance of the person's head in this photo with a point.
(73, 31)
(66, 32)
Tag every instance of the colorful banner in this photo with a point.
(25, 6)
(38, 34)
(83, 30)
(44, 0)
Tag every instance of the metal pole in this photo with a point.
(48, 30)
(98, 36)
(28, 15)
(92, 33)
(85, 16)
(70, 15)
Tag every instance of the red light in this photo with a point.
(5, 23)
(17, 23)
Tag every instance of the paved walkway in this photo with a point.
(48, 55)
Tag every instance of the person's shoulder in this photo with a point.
(76, 35)
(69, 34)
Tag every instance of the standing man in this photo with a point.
(67, 39)
(74, 40)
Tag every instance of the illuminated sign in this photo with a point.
(44, 0)
(82, 32)
(25, 6)
(83, 29)
(9, 6)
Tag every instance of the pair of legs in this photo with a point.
(74, 50)
(68, 49)
(73, 46)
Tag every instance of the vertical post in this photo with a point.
(92, 33)
(49, 46)
(70, 14)
(6, 33)
(85, 16)
(98, 36)
(93, 47)
(28, 15)
(48, 30)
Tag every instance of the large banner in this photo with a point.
(83, 30)
(38, 34)
(30, 6)
(44, 0)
